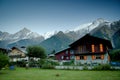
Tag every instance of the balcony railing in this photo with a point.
(87, 52)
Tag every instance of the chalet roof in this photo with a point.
(90, 39)
(17, 54)
(20, 49)
(62, 51)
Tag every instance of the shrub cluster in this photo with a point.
(85, 67)
(102, 67)
(18, 63)
(68, 63)
(4, 60)
(47, 64)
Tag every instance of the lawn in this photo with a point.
(43, 74)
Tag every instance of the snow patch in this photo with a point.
(83, 26)
(49, 34)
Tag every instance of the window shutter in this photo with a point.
(85, 57)
(108, 58)
(93, 57)
(77, 57)
(102, 56)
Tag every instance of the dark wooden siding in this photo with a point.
(64, 55)
(87, 48)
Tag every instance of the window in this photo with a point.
(81, 57)
(98, 56)
(71, 57)
(101, 47)
(67, 57)
(66, 52)
(62, 57)
(71, 52)
(93, 47)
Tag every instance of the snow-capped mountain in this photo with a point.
(4, 35)
(82, 29)
(89, 27)
(83, 26)
(22, 36)
(92, 25)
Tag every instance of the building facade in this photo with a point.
(17, 54)
(65, 55)
(88, 50)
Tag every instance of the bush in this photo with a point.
(69, 63)
(102, 67)
(79, 64)
(21, 63)
(53, 63)
(41, 62)
(66, 63)
(47, 66)
(85, 67)
(4, 60)
(33, 63)
(115, 55)
(12, 63)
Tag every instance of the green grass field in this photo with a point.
(43, 74)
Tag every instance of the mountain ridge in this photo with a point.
(60, 40)
(22, 35)
(102, 30)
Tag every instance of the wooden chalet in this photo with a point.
(89, 49)
(17, 53)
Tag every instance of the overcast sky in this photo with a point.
(43, 16)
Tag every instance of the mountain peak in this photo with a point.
(99, 21)
(60, 33)
(24, 34)
(25, 30)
